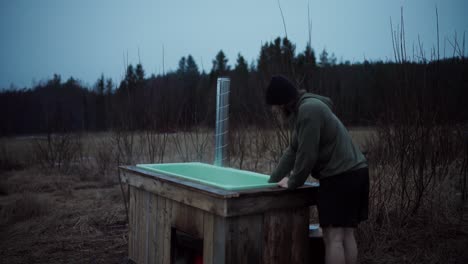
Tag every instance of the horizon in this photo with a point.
(85, 39)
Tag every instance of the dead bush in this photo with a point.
(57, 151)
(105, 159)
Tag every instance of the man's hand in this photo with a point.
(284, 182)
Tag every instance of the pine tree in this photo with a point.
(220, 64)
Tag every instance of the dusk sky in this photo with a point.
(88, 37)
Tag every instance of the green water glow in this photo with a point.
(221, 177)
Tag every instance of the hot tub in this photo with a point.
(231, 216)
(220, 177)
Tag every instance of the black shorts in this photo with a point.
(343, 199)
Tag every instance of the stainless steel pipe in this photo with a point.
(222, 122)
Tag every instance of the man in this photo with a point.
(322, 147)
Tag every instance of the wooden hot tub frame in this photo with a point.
(268, 225)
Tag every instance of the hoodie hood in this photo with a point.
(324, 99)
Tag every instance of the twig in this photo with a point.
(438, 48)
(402, 37)
(164, 73)
(309, 24)
(284, 23)
(463, 50)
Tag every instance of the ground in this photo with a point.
(61, 221)
(78, 216)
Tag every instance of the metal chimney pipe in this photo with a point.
(222, 121)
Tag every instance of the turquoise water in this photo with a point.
(221, 177)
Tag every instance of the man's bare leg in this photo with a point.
(333, 238)
(350, 246)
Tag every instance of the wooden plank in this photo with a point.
(275, 190)
(208, 236)
(141, 207)
(175, 192)
(300, 235)
(219, 240)
(242, 205)
(147, 216)
(161, 204)
(166, 230)
(131, 224)
(187, 219)
(137, 231)
(244, 239)
(277, 237)
(152, 230)
(255, 204)
(137, 242)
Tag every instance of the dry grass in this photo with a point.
(27, 206)
(52, 216)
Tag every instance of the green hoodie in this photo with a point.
(320, 145)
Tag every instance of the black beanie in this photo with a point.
(280, 91)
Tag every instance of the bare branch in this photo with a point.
(284, 23)
(421, 50)
(309, 24)
(402, 37)
(393, 40)
(463, 50)
(438, 48)
(164, 73)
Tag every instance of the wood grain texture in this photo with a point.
(131, 224)
(269, 201)
(233, 206)
(219, 240)
(277, 237)
(142, 209)
(208, 238)
(160, 222)
(177, 193)
(244, 239)
(136, 225)
(166, 230)
(300, 235)
(286, 236)
(187, 219)
(152, 228)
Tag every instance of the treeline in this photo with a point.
(364, 93)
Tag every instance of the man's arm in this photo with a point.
(308, 137)
(285, 165)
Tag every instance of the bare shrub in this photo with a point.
(105, 160)
(191, 145)
(281, 138)
(413, 167)
(125, 142)
(250, 148)
(238, 147)
(154, 144)
(57, 151)
(259, 142)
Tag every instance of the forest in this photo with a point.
(367, 93)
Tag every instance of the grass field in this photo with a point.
(71, 210)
